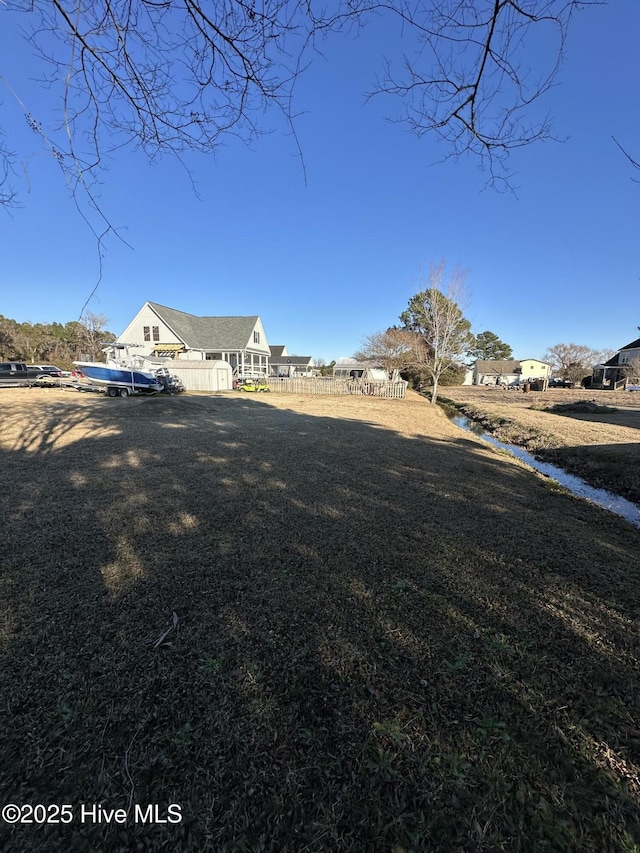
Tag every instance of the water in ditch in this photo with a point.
(576, 485)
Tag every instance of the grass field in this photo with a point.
(602, 447)
(387, 635)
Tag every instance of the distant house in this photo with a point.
(533, 368)
(351, 368)
(507, 371)
(612, 373)
(283, 364)
(370, 371)
(166, 333)
(278, 351)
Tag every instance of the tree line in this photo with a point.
(54, 343)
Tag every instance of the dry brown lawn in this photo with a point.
(387, 635)
(604, 447)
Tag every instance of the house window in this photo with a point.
(256, 337)
(156, 333)
(147, 332)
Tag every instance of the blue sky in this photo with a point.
(327, 263)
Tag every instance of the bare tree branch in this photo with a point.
(392, 349)
(170, 76)
(470, 84)
(633, 162)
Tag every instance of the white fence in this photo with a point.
(337, 387)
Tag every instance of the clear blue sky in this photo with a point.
(327, 263)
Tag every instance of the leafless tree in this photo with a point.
(600, 356)
(571, 361)
(393, 349)
(92, 333)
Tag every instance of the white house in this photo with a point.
(283, 364)
(533, 368)
(507, 371)
(166, 333)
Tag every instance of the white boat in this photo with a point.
(121, 373)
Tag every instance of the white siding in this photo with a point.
(629, 355)
(263, 346)
(535, 369)
(134, 333)
(207, 376)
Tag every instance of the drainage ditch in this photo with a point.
(576, 485)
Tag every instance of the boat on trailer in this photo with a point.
(122, 374)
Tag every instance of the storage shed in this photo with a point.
(208, 376)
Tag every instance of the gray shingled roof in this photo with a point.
(276, 352)
(296, 360)
(221, 333)
(497, 367)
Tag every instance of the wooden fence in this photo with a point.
(337, 387)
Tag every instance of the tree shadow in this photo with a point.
(383, 640)
(622, 417)
(605, 466)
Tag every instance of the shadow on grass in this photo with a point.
(606, 466)
(383, 641)
(617, 417)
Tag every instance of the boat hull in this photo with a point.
(115, 377)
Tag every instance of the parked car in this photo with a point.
(49, 369)
(556, 382)
(14, 373)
